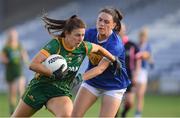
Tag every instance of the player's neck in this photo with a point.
(67, 45)
(102, 37)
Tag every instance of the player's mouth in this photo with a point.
(77, 44)
(101, 29)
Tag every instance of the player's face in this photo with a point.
(143, 38)
(105, 24)
(76, 37)
(13, 36)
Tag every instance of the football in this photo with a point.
(54, 62)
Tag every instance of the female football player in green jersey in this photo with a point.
(52, 89)
(12, 56)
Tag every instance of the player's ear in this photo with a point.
(114, 25)
(66, 33)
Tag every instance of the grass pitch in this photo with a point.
(154, 106)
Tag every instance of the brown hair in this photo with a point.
(143, 31)
(10, 35)
(55, 26)
(117, 17)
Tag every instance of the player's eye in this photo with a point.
(100, 19)
(106, 22)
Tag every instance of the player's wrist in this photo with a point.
(52, 76)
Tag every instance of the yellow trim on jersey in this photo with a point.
(65, 47)
(46, 53)
(86, 47)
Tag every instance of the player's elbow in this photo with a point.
(31, 66)
(100, 70)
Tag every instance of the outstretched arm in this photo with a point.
(99, 69)
(114, 59)
(103, 64)
(143, 55)
(102, 51)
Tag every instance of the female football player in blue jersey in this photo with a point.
(111, 86)
(145, 57)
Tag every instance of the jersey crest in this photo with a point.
(94, 58)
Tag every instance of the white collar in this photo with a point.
(105, 40)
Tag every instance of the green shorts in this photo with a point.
(13, 73)
(11, 77)
(37, 95)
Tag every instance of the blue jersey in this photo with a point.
(107, 80)
(145, 47)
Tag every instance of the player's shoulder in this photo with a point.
(55, 41)
(53, 44)
(115, 39)
(85, 43)
(90, 34)
(6, 48)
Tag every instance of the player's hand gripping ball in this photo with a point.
(57, 64)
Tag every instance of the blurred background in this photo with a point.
(162, 17)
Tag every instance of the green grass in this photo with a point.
(154, 106)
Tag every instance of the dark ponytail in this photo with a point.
(61, 26)
(118, 20)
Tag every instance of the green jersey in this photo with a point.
(13, 67)
(73, 57)
(43, 88)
